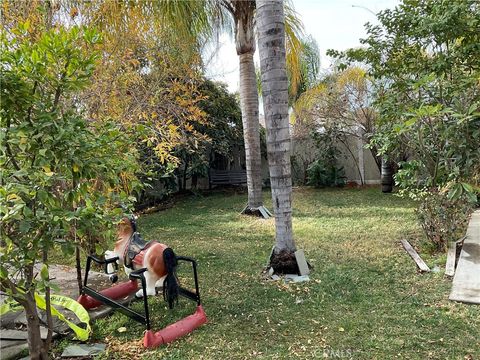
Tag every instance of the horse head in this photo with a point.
(126, 227)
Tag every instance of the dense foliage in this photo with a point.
(60, 173)
(339, 104)
(424, 59)
(148, 79)
(221, 136)
(325, 170)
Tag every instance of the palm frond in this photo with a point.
(200, 20)
(294, 32)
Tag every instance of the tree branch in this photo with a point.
(58, 91)
(7, 147)
(48, 309)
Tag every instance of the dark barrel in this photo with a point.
(387, 176)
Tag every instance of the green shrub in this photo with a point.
(443, 219)
(323, 175)
(60, 174)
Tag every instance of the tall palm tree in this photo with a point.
(243, 13)
(207, 17)
(271, 43)
(203, 19)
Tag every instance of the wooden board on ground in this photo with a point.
(451, 256)
(414, 255)
(466, 283)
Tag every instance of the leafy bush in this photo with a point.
(443, 219)
(325, 171)
(322, 175)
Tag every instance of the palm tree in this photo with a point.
(203, 19)
(243, 13)
(271, 43)
(200, 21)
(206, 18)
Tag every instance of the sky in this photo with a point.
(334, 24)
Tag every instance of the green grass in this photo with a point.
(365, 299)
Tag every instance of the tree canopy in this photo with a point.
(424, 60)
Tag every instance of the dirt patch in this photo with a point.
(252, 212)
(284, 262)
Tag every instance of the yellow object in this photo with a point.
(67, 303)
(73, 306)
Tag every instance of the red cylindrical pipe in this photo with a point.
(115, 292)
(176, 330)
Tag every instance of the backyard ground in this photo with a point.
(365, 299)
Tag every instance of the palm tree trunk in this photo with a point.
(243, 13)
(251, 129)
(271, 43)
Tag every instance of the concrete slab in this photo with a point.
(302, 262)
(466, 282)
(65, 277)
(9, 334)
(13, 335)
(296, 278)
(81, 350)
(13, 351)
(11, 342)
(451, 259)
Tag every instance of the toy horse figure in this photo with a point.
(136, 253)
(152, 264)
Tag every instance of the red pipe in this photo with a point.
(175, 330)
(115, 292)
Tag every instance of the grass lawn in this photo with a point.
(365, 299)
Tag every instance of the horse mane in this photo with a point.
(125, 230)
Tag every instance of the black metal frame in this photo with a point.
(135, 275)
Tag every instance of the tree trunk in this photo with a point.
(48, 310)
(251, 129)
(245, 44)
(271, 41)
(35, 343)
(78, 266)
(194, 181)
(184, 177)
